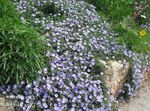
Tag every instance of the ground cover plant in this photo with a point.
(73, 79)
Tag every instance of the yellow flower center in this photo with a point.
(143, 33)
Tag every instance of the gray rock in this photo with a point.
(116, 75)
(4, 106)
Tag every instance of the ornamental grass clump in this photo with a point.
(21, 48)
(7, 10)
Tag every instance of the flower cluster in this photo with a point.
(146, 25)
(68, 83)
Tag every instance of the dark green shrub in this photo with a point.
(21, 48)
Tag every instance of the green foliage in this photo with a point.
(21, 48)
(7, 10)
(114, 10)
(129, 34)
(119, 12)
(101, 5)
(120, 9)
(147, 11)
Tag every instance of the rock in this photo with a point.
(6, 109)
(147, 74)
(4, 106)
(116, 74)
(2, 101)
(46, 34)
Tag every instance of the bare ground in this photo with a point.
(139, 103)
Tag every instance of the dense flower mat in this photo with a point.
(76, 41)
